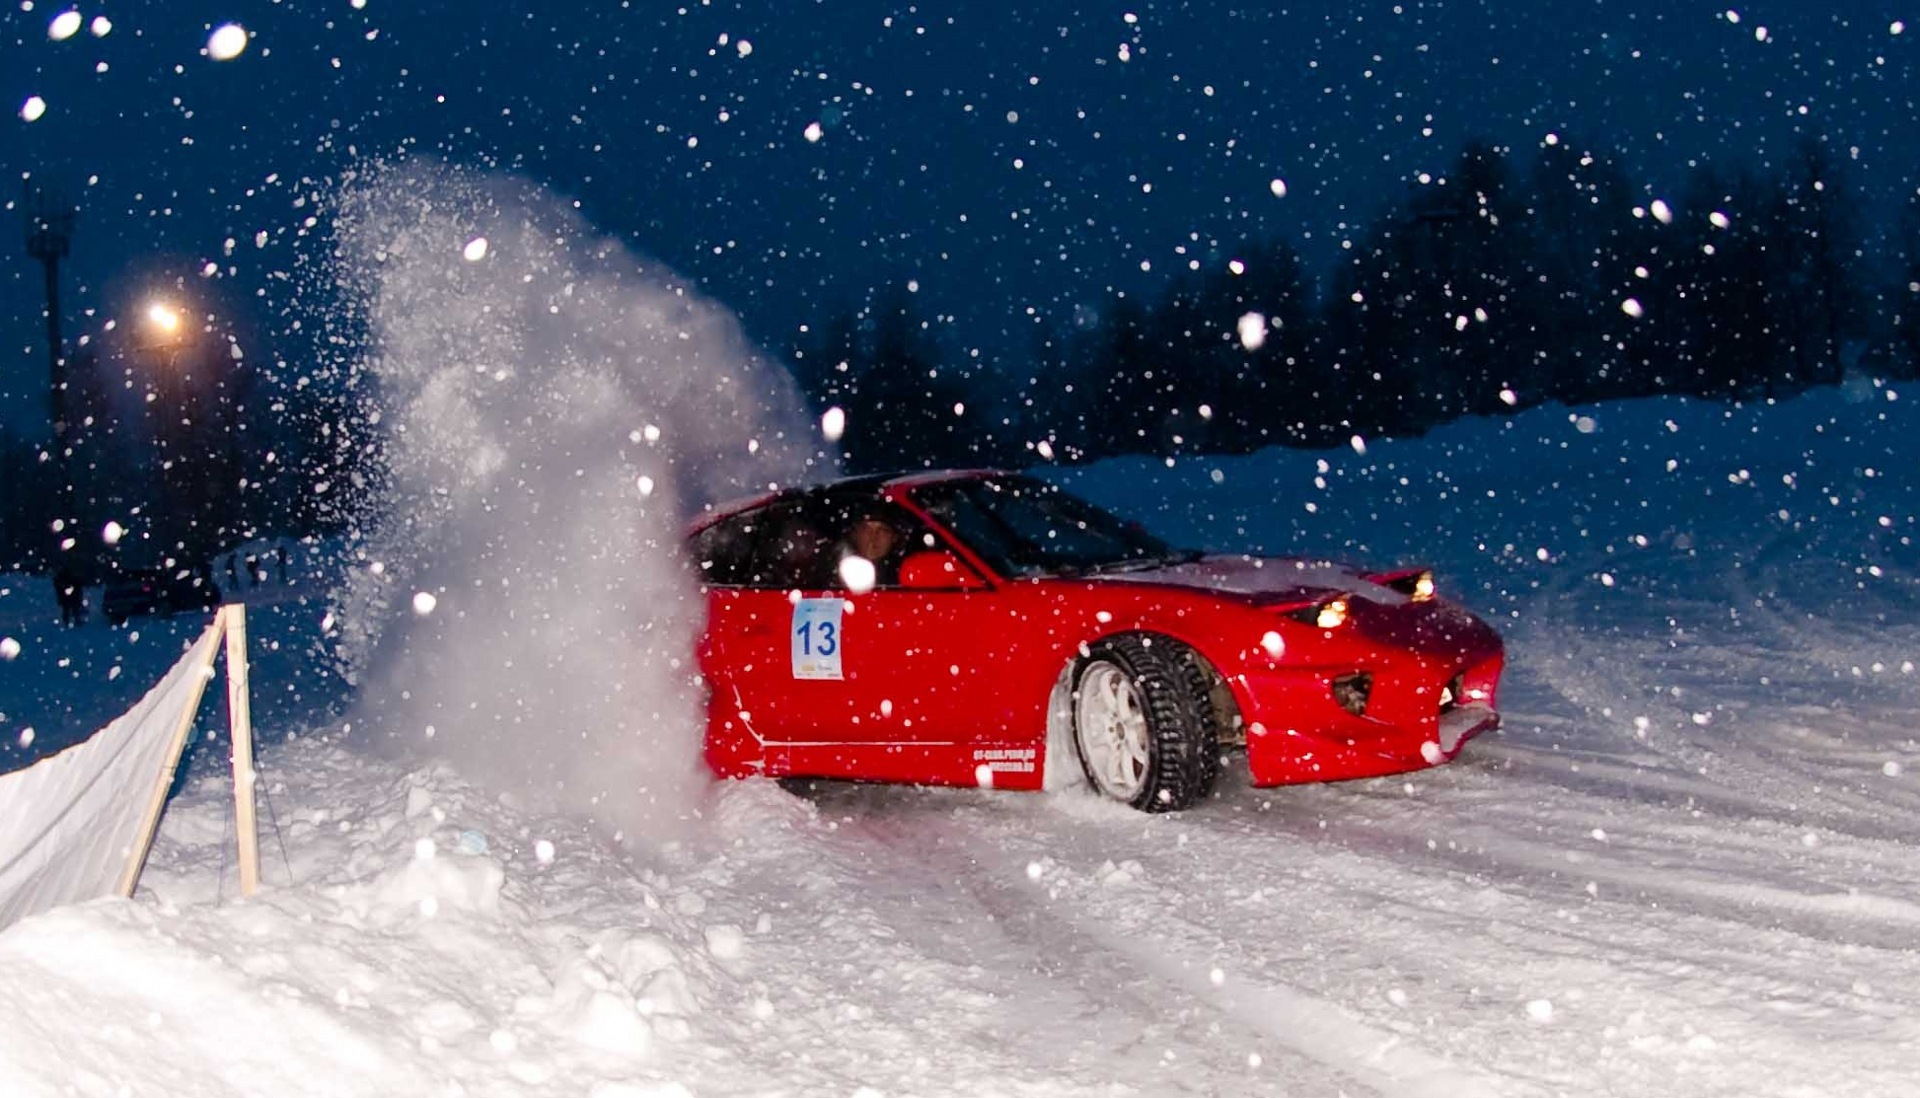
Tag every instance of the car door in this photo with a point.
(818, 676)
(926, 673)
(749, 564)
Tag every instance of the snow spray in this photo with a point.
(550, 409)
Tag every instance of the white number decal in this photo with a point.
(816, 639)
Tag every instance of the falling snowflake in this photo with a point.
(228, 41)
(1253, 331)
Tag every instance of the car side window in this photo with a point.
(875, 530)
(795, 552)
(722, 553)
(802, 543)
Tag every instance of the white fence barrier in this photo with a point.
(79, 824)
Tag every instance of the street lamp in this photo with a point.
(164, 338)
(163, 320)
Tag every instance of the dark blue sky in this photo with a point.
(1003, 155)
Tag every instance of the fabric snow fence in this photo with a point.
(78, 825)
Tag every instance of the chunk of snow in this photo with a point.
(858, 574)
(9, 649)
(1540, 1010)
(813, 132)
(833, 423)
(64, 26)
(1633, 308)
(476, 249)
(1278, 187)
(725, 941)
(228, 41)
(33, 108)
(424, 602)
(1253, 331)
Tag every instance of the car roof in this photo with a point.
(875, 482)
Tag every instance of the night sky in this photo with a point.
(1012, 160)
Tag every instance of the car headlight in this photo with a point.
(1417, 584)
(1331, 614)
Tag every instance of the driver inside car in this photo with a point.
(867, 554)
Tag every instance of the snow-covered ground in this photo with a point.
(1688, 865)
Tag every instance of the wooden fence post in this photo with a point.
(240, 731)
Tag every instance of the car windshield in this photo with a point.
(1026, 527)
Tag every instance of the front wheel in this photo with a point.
(1142, 724)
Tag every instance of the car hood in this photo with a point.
(1263, 579)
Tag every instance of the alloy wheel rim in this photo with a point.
(1112, 727)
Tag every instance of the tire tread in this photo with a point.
(1184, 756)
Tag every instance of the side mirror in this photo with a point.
(938, 570)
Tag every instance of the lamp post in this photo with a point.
(165, 337)
(49, 238)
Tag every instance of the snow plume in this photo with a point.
(551, 409)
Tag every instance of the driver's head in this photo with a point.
(872, 537)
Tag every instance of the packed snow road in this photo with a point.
(1689, 864)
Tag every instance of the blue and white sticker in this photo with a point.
(816, 638)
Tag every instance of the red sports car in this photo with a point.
(988, 628)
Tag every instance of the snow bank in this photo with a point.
(417, 938)
(552, 408)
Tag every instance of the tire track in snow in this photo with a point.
(1308, 1027)
(1040, 1017)
(1693, 682)
(1778, 883)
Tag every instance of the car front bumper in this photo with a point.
(1297, 732)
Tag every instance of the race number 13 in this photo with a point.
(816, 638)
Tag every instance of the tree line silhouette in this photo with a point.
(1497, 286)
(1509, 281)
